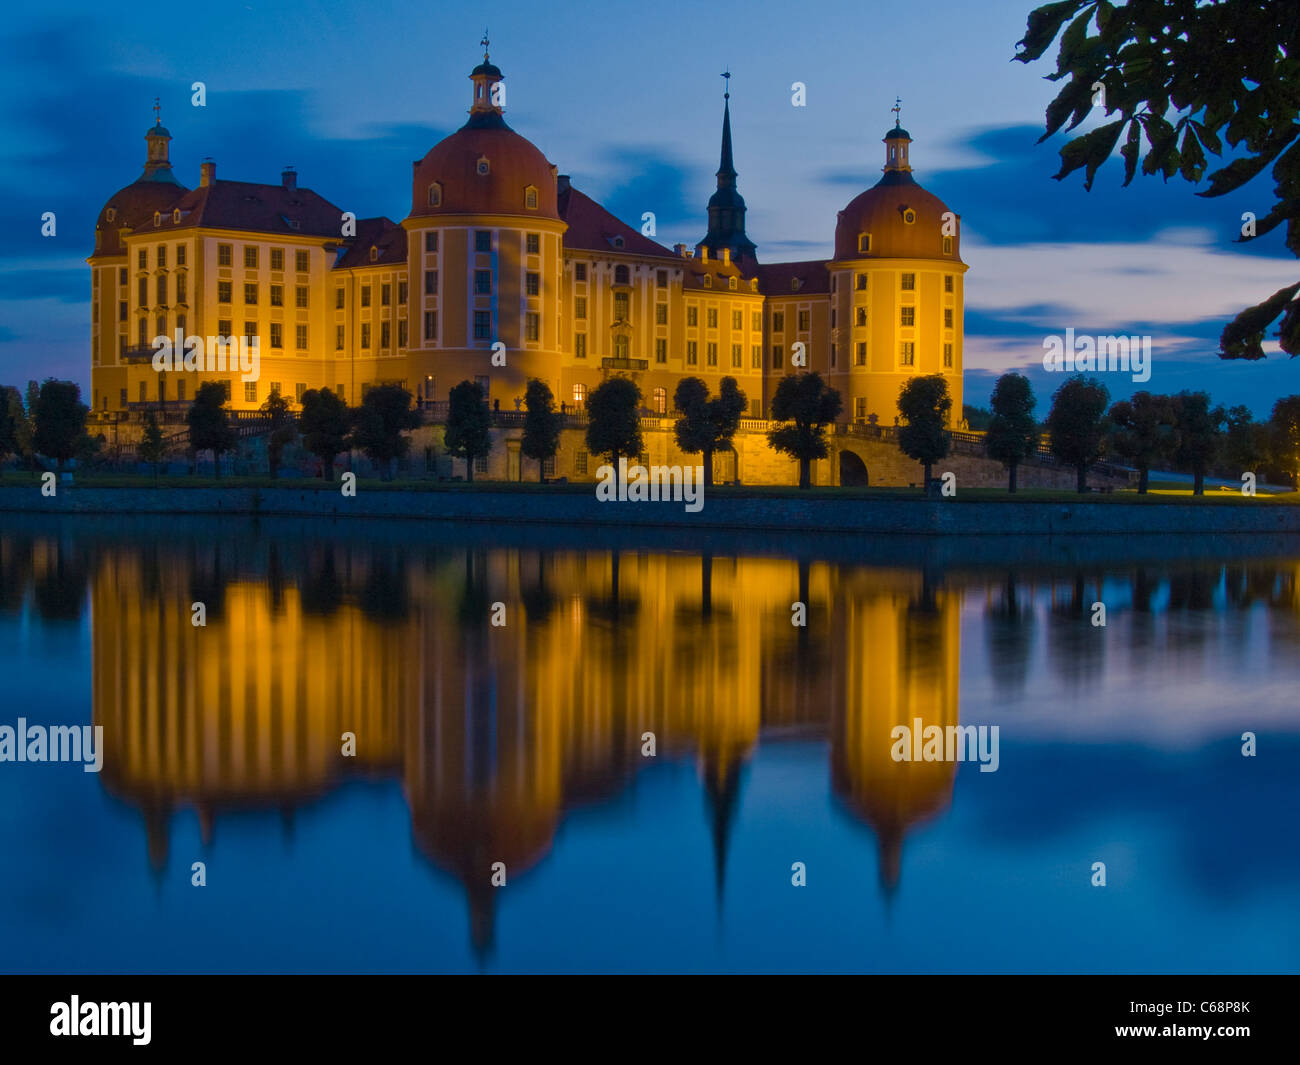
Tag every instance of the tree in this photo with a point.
(60, 419)
(468, 434)
(977, 419)
(1226, 71)
(1076, 425)
(1197, 426)
(1142, 432)
(542, 424)
(210, 430)
(1285, 423)
(809, 405)
(924, 406)
(324, 426)
(284, 431)
(613, 419)
(384, 416)
(1012, 433)
(25, 427)
(151, 444)
(707, 425)
(11, 417)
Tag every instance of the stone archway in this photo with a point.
(853, 471)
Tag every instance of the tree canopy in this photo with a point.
(382, 421)
(542, 425)
(324, 427)
(923, 407)
(1076, 424)
(613, 419)
(1012, 433)
(468, 433)
(707, 424)
(808, 404)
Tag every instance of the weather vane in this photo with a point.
(726, 95)
(484, 43)
(157, 111)
(898, 112)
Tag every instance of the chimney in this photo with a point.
(207, 173)
(726, 256)
(680, 249)
(704, 253)
(288, 179)
(562, 184)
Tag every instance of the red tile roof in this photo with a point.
(255, 207)
(381, 233)
(774, 278)
(595, 229)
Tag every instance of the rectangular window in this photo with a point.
(250, 329)
(275, 387)
(805, 319)
(277, 258)
(860, 316)
(860, 409)
(482, 240)
(430, 242)
(385, 296)
(302, 261)
(661, 349)
(401, 293)
(250, 391)
(947, 356)
(947, 282)
(338, 299)
(277, 295)
(338, 338)
(756, 321)
(250, 292)
(250, 258)
(712, 354)
(778, 357)
(579, 271)
(365, 336)
(223, 291)
(121, 276)
(778, 321)
(692, 353)
(162, 255)
(338, 391)
(756, 357)
(947, 245)
(692, 317)
(162, 290)
(532, 284)
(430, 325)
(298, 391)
(860, 359)
(532, 326)
(121, 311)
(580, 307)
(737, 356)
(712, 318)
(661, 278)
(579, 345)
(300, 337)
(907, 316)
(180, 288)
(622, 306)
(834, 317)
(401, 333)
(223, 254)
(365, 295)
(947, 317)
(909, 282)
(385, 335)
(143, 292)
(907, 353)
(277, 335)
(300, 296)
(122, 398)
(737, 320)
(224, 327)
(480, 464)
(580, 463)
(533, 244)
(431, 282)
(482, 282)
(180, 254)
(661, 314)
(862, 283)
(482, 325)
(180, 389)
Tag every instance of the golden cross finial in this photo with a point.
(898, 112)
(484, 43)
(157, 111)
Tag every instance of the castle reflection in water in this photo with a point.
(495, 732)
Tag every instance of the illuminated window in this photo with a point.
(579, 394)
(660, 401)
(530, 198)
(907, 353)
(907, 316)
(533, 243)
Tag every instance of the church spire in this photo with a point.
(157, 165)
(726, 205)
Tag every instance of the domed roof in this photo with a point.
(485, 167)
(901, 218)
(133, 206)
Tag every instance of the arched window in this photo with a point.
(661, 401)
(110, 214)
(374, 253)
(620, 275)
(579, 395)
(947, 245)
(530, 197)
(708, 281)
(731, 283)
(157, 218)
(176, 215)
(864, 242)
(435, 195)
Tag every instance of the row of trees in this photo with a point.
(50, 423)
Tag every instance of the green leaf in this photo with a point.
(1043, 25)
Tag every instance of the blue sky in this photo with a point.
(626, 99)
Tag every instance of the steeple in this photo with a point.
(157, 167)
(489, 93)
(897, 141)
(726, 205)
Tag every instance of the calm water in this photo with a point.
(522, 744)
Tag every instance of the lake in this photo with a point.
(614, 751)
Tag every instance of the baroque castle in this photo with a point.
(500, 248)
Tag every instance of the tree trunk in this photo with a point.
(1143, 478)
(708, 467)
(541, 471)
(1011, 477)
(328, 471)
(469, 469)
(805, 473)
(926, 487)
(1198, 486)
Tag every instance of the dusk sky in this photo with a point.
(627, 100)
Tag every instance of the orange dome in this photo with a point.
(903, 220)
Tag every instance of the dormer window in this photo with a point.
(795, 284)
(753, 284)
(483, 167)
(111, 214)
(731, 283)
(157, 218)
(435, 195)
(374, 254)
(618, 243)
(176, 216)
(909, 216)
(708, 280)
(864, 242)
(947, 245)
(530, 197)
